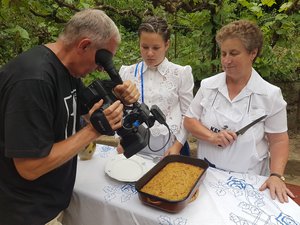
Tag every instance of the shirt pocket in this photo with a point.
(206, 105)
(205, 116)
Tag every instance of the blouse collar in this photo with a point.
(161, 68)
(253, 84)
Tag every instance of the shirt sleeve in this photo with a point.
(276, 121)
(185, 93)
(195, 109)
(125, 73)
(29, 119)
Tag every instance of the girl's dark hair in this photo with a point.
(157, 25)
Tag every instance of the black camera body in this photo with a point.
(134, 136)
(98, 89)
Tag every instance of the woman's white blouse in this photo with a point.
(170, 87)
(265, 99)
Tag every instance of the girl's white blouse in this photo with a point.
(170, 87)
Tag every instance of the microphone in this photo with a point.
(104, 58)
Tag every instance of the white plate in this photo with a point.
(127, 170)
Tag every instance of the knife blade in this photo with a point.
(245, 128)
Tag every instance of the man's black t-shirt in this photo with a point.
(38, 107)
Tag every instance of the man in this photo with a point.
(40, 134)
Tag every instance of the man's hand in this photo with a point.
(113, 113)
(127, 92)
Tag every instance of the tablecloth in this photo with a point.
(224, 198)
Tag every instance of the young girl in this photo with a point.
(162, 83)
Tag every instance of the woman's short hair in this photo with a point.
(157, 25)
(91, 23)
(249, 33)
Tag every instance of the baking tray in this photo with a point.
(164, 204)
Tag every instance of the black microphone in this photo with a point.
(104, 58)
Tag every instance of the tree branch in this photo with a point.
(51, 16)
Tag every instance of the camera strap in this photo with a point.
(141, 77)
(101, 124)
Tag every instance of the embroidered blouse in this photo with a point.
(170, 87)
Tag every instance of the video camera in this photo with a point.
(134, 136)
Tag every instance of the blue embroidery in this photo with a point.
(104, 151)
(238, 183)
(286, 219)
(253, 209)
(165, 220)
(121, 193)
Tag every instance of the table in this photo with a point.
(224, 198)
(296, 191)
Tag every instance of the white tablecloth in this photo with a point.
(224, 198)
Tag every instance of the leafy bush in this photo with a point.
(26, 23)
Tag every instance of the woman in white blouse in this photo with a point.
(232, 99)
(162, 83)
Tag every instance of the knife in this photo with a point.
(245, 128)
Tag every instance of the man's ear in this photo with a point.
(84, 44)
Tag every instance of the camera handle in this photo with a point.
(100, 123)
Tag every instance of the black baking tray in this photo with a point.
(164, 204)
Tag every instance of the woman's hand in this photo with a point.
(277, 189)
(174, 149)
(223, 138)
(120, 149)
(127, 92)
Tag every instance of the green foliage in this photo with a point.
(26, 23)
(268, 3)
